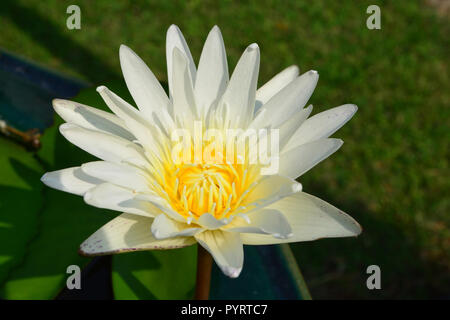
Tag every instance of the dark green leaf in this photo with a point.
(65, 222)
(159, 274)
(20, 203)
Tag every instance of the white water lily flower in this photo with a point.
(221, 206)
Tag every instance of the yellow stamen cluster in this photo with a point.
(214, 188)
(193, 189)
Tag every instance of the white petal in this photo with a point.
(297, 161)
(91, 118)
(310, 218)
(183, 90)
(208, 221)
(274, 85)
(239, 97)
(146, 90)
(126, 233)
(164, 227)
(162, 204)
(143, 129)
(290, 99)
(266, 221)
(102, 145)
(120, 174)
(71, 180)
(290, 126)
(110, 196)
(270, 189)
(212, 75)
(175, 39)
(322, 125)
(226, 249)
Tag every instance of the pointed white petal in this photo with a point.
(72, 180)
(175, 39)
(212, 75)
(164, 227)
(146, 90)
(91, 118)
(270, 189)
(310, 219)
(239, 97)
(265, 221)
(143, 129)
(127, 233)
(289, 99)
(297, 161)
(290, 126)
(102, 145)
(183, 90)
(162, 204)
(226, 249)
(322, 125)
(110, 196)
(120, 174)
(274, 85)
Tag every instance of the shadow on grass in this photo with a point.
(51, 36)
(336, 268)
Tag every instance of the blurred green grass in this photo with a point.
(392, 172)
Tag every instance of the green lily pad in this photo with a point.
(159, 274)
(65, 221)
(20, 203)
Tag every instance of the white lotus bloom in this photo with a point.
(222, 206)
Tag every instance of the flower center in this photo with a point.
(217, 189)
(208, 181)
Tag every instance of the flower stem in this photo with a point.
(204, 264)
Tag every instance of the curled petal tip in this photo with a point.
(65, 126)
(87, 196)
(100, 88)
(253, 46)
(44, 177)
(297, 187)
(56, 101)
(282, 236)
(295, 67)
(156, 234)
(124, 51)
(173, 27)
(232, 272)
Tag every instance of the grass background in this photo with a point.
(391, 174)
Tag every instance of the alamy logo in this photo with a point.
(227, 146)
(74, 20)
(74, 280)
(374, 280)
(374, 20)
